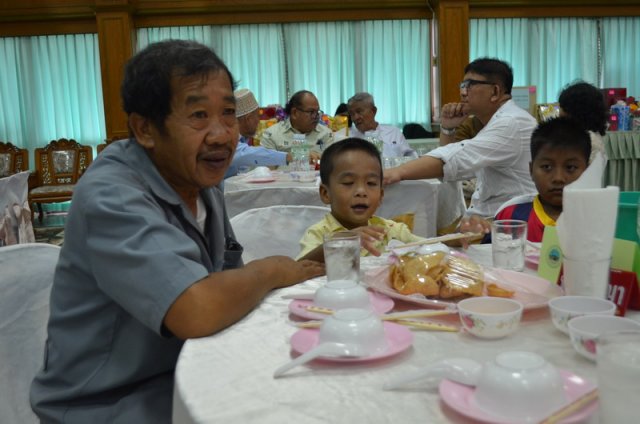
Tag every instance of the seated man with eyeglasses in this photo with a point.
(303, 116)
(498, 156)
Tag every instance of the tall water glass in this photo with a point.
(618, 357)
(508, 239)
(342, 255)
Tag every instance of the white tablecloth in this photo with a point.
(228, 377)
(434, 204)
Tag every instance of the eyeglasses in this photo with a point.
(312, 113)
(468, 83)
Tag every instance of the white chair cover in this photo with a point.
(26, 275)
(274, 230)
(240, 200)
(15, 214)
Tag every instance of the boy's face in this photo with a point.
(553, 168)
(354, 190)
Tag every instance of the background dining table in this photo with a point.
(434, 204)
(228, 377)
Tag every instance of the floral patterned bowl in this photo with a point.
(564, 308)
(584, 331)
(490, 317)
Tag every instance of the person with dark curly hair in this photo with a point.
(585, 104)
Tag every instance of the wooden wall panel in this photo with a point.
(116, 40)
(453, 47)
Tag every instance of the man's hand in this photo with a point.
(391, 176)
(474, 224)
(290, 271)
(453, 114)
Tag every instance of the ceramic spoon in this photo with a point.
(461, 370)
(323, 349)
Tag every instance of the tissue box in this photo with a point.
(626, 225)
(626, 257)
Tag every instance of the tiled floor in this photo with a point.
(51, 229)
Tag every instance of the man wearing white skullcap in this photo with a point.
(248, 114)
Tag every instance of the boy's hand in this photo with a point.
(474, 224)
(370, 235)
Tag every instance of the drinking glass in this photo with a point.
(342, 255)
(618, 358)
(508, 238)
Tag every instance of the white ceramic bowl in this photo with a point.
(584, 331)
(564, 308)
(519, 386)
(261, 172)
(355, 326)
(341, 294)
(490, 317)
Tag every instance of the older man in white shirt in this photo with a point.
(362, 111)
(498, 156)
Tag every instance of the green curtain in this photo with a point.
(50, 88)
(548, 53)
(621, 54)
(334, 60)
(253, 53)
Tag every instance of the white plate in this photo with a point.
(532, 291)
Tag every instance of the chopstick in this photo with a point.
(572, 407)
(419, 325)
(393, 316)
(447, 237)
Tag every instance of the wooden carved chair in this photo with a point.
(12, 159)
(59, 165)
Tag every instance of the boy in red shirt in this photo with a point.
(560, 151)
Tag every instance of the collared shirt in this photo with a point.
(280, 137)
(313, 237)
(395, 145)
(246, 155)
(131, 248)
(531, 211)
(498, 156)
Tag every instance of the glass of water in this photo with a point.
(508, 239)
(342, 255)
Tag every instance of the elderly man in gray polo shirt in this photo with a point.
(149, 257)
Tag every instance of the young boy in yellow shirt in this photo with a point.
(351, 182)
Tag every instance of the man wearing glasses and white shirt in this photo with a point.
(498, 156)
(362, 111)
(303, 116)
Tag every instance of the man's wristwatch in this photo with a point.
(447, 131)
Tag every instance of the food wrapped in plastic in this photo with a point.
(437, 274)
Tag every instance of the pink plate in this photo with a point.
(459, 397)
(532, 291)
(399, 339)
(261, 180)
(532, 261)
(381, 304)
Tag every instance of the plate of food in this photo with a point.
(440, 280)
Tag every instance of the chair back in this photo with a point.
(26, 275)
(59, 165)
(239, 200)
(274, 230)
(12, 159)
(62, 162)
